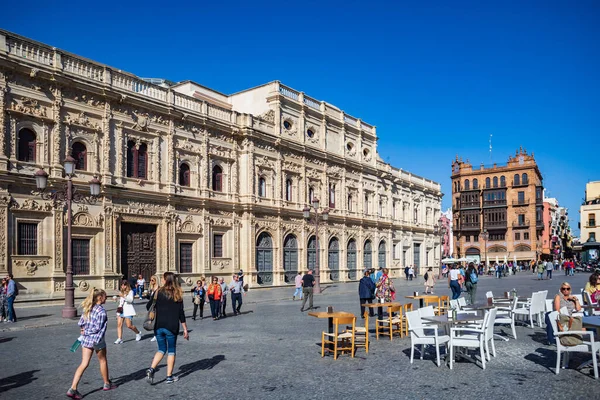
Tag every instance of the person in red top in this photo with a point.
(214, 293)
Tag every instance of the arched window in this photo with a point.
(524, 179)
(351, 259)
(290, 257)
(184, 175)
(137, 160)
(79, 153)
(26, 145)
(502, 181)
(349, 202)
(381, 254)
(467, 184)
(264, 259)
(288, 189)
(367, 255)
(217, 179)
(475, 184)
(487, 183)
(262, 187)
(516, 180)
(495, 181)
(333, 259)
(311, 194)
(331, 195)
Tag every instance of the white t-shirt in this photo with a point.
(141, 282)
(454, 274)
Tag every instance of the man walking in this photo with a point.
(236, 288)
(11, 294)
(549, 268)
(298, 282)
(308, 281)
(366, 293)
(406, 271)
(225, 290)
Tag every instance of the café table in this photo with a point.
(422, 297)
(460, 319)
(591, 322)
(330, 316)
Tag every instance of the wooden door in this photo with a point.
(138, 250)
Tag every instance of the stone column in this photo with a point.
(58, 240)
(172, 166)
(4, 132)
(4, 202)
(56, 161)
(110, 221)
(107, 161)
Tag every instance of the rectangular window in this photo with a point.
(592, 221)
(525, 235)
(185, 257)
(80, 257)
(468, 238)
(517, 236)
(592, 237)
(521, 197)
(521, 218)
(27, 239)
(217, 245)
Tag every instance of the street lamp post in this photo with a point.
(485, 235)
(325, 216)
(440, 230)
(67, 195)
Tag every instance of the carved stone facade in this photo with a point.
(204, 184)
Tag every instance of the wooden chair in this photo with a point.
(361, 334)
(443, 306)
(430, 301)
(392, 323)
(341, 341)
(405, 308)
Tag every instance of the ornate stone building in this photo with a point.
(193, 181)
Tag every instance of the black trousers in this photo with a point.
(362, 307)
(214, 307)
(236, 298)
(223, 305)
(201, 307)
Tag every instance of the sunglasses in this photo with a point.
(565, 288)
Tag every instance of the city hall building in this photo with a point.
(193, 181)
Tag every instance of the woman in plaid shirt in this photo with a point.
(93, 325)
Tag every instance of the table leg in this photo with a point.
(421, 303)
(330, 330)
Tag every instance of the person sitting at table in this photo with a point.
(366, 292)
(453, 282)
(385, 291)
(593, 287)
(563, 299)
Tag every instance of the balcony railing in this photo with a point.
(470, 205)
(520, 202)
(495, 224)
(470, 226)
(494, 203)
(520, 183)
(539, 224)
(521, 224)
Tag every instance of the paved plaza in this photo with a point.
(272, 351)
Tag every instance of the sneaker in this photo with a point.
(138, 337)
(74, 394)
(118, 341)
(150, 375)
(153, 339)
(109, 386)
(172, 379)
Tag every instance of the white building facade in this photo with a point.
(193, 181)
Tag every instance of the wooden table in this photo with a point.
(330, 317)
(422, 297)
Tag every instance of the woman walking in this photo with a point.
(453, 282)
(3, 300)
(429, 281)
(214, 293)
(153, 287)
(169, 313)
(471, 280)
(385, 291)
(198, 297)
(93, 325)
(126, 312)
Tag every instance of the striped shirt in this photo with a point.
(94, 328)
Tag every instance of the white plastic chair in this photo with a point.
(589, 305)
(549, 305)
(586, 347)
(428, 336)
(534, 308)
(426, 312)
(469, 337)
(462, 302)
(506, 315)
(489, 333)
(454, 305)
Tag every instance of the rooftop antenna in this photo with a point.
(490, 149)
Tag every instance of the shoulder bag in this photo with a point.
(567, 323)
(150, 320)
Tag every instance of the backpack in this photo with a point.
(426, 276)
(474, 278)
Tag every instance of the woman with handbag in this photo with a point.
(198, 297)
(168, 314)
(385, 291)
(126, 312)
(214, 293)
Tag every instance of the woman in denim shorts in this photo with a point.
(169, 314)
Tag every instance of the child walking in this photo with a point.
(93, 325)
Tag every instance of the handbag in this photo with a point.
(119, 310)
(150, 321)
(567, 323)
(196, 299)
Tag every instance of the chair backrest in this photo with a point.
(489, 295)
(432, 300)
(414, 322)
(462, 302)
(538, 302)
(444, 300)
(579, 298)
(514, 304)
(454, 304)
(489, 324)
(343, 321)
(549, 305)
(394, 309)
(588, 298)
(426, 311)
(553, 316)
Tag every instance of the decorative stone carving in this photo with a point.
(82, 120)
(59, 286)
(83, 286)
(268, 117)
(109, 284)
(29, 106)
(187, 145)
(220, 222)
(32, 205)
(188, 281)
(187, 226)
(219, 151)
(86, 220)
(83, 98)
(221, 263)
(140, 120)
(188, 127)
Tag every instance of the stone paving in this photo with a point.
(272, 351)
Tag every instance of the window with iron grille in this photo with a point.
(79, 153)
(184, 175)
(80, 257)
(137, 160)
(185, 257)
(218, 245)
(26, 146)
(27, 238)
(217, 179)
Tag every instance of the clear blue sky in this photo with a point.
(437, 78)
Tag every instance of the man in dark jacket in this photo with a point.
(366, 292)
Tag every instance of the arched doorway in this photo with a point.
(311, 255)
(351, 259)
(290, 258)
(368, 255)
(333, 259)
(381, 255)
(264, 259)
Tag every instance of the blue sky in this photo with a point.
(436, 78)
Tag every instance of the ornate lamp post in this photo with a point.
(67, 195)
(440, 229)
(485, 235)
(322, 215)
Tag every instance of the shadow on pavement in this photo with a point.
(207, 363)
(6, 339)
(18, 380)
(134, 376)
(34, 316)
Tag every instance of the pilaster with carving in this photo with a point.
(3, 129)
(171, 223)
(110, 220)
(12, 134)
(121, 150)
(235, 185)
(205, 166)
(107, 145)
(58, 240)
(172, 165)
(279, 184)
(5, 199)
(56, 161)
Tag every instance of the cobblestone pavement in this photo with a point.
(272, 351)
